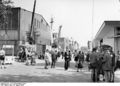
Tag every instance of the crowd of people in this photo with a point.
(101, 63)
(67, 56)
(52, 56)
(27, 55)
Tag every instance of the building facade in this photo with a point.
(108, 34)
(67, 44)
(19, 26)
(89, 45)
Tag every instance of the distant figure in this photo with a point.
(82, 57)
(23, 58)
(79, 61)
(54, 58)
(88, 57)
(20, 54)
(33, 57)
(2, 58)
(47, 62)
(62, 53)
(75, 57)
(67, 60)
(28, 56)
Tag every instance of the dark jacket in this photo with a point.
(93, 57)
(67, 57)
(107, 62)
(80, 57)
(54, 56)
(88, 57)
(93, 60)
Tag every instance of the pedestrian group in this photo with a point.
(102, 64)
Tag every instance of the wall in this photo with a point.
(108, 38)
(12, 30)
(40, 25)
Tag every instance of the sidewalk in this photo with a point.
(19, 72)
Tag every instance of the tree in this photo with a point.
(5, 11)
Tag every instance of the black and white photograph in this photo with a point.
(59, 41)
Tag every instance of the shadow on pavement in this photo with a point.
(52, 78)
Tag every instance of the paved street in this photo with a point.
(18, 72)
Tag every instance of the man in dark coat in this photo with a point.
(79, 61)
(67, 60)
(93, 65)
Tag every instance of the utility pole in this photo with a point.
(92, 22)
(59, 34)
(51, 22)
(31, 35)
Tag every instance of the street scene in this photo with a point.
(19, 72)
(60, 41)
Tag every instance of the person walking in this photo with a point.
(2, 58)
(79, 61)
(54, 58)
(47, 62)
(67, 60)
(107, 65)
(33, 57)
(23, 58)
(28, 56)
(75, 57)
(82, 57)
(20, 54)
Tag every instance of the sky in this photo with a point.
(81, 19)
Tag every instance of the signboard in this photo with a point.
(9, 49)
